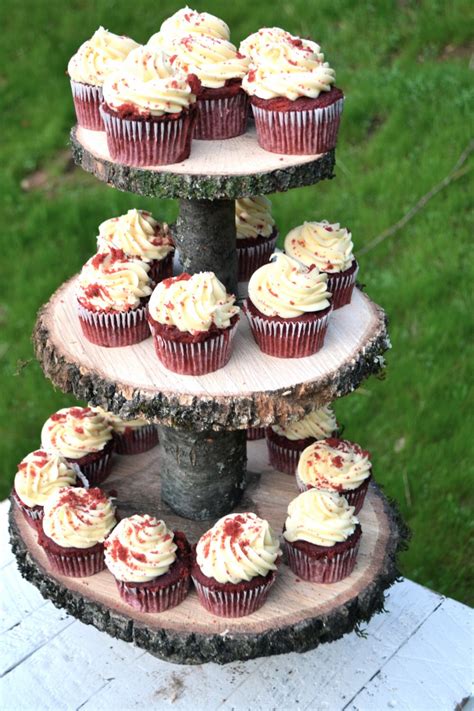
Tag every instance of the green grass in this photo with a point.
(405, 68)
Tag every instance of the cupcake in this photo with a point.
(322, 536)
(140, 236)
(295, 104)
(75, 524)
(336, 465)
(285, 444)
(256, 234)
(39, 475)
(288, 308)
(112, 295)
(329, 247)
(83, 437)
(254, 433)
(98, 57)
(149, 110)
(130, 436)
(235, 564)
(187, 22)
(150, 564)
(193, 321)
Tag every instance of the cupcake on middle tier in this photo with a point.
(130, 436)
(187, 22)
(285, 444)
(140, 236)
(256, 234)
(288, 308)
(193, 321)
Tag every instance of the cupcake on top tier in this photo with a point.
(288, 308)
(139, 235)
(322, 536)
(330, 248)
(187, 22)
(150, 563)
(285, 444)
(336, 465)
(112, 294)
(193, 321)
(130, 436)
(235, 565)
(82, 437)
(149, 110)
(98, 57)
(256, 234)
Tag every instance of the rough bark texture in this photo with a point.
(205, 235)
(203, 474)
(201, 187)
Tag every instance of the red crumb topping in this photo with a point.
(251, 75)
(171, 280)
(116, 550)
(115, 255)
(240, 56)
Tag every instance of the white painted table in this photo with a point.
(417, 656)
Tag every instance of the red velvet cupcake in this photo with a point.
(130, 436)
(336, 465)
(75, 524)
(288, 308)
(322, 537)
(254, 433)
(256, 234)
(235, 565)
(193, 321)
(151, 565)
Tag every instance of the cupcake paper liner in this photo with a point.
(354, 497)
(284, 459)
(114, 329)
(252, 258)
(341, 287)
(136, 441)
(152, 599)
(221, 118)
(87, 99)
(80, 565)
(254, 433)
(322, 568)
(161, 268)
(233, 604)
(96, 471)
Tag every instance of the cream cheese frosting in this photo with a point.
(238, 547)
(111, 281)
(319, 424)
(322, 518)
(253, 217)
(118, 424)
(327, 245)
(214, 61)
(266, 39)
(99, 56)
(78, 518)
(140, 549)
(193, 303)
(39, 474)
(284, 287)
(137, 234)
(147, 81)
(186, 22)
(74, 432)
(334, 465)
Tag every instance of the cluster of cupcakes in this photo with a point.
(189, 81)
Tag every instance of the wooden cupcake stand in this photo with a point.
(203, 467)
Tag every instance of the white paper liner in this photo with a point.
(196, 358)
(322, 570)
(221, 118)
(283, 458)
(118, 325)
(250, 258)
(154, 600)
(141, 439)
(233, 604)
(338, 287)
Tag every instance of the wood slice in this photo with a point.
(253, 389)
(215, 170)
(297, 616)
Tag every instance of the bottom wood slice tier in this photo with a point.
(297, 615)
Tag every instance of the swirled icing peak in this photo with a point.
(99, 56)
(78, 518)
(137, 234)
(238, 547)
(253, 217)
(39, 474)
(284, 287)
(214, 61)
(327, 245)
(74, 432)
(118, 424)
(193, 303)
(186, 22)
(257, 45)
(322, 518)
(334, 465)
(319, 424)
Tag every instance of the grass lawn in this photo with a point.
(405, 68)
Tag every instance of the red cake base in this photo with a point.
(341, 285)
(222, 113)
(95, 466)
(87, 99)
(73, 562)
(253, 254)
(114, 329)
(136, 440)
(321, 564)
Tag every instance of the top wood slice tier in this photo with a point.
(216, 170)
(252, 389)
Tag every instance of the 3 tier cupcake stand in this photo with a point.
(204, 467)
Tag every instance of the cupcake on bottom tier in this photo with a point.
(151, 565)
(75, 524)
(336, 465)
(235, 565)
(322, 536)
(130, 436)
(256, 234)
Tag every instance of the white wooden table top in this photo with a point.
(417, 656)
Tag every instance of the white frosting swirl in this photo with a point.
(327, 245)
(318, 424)
(139, 549)
(214, 61)
(74, 432)
(284, 287)
(39, 474)
(99, 56)
(322, 518)
(186, 22)
(267, 82)
(78, 518)
(253, 217)
(238, 547)
(137, 234)
(335, 465)
(265, 40)
(118, 424)
(193, 303)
